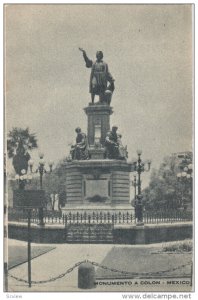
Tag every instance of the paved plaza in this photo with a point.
(142, 258)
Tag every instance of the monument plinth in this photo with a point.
(101, 183)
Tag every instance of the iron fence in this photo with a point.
(21, 215)
(149, 217)
(167, 216)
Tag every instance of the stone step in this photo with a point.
(91, 236)
(103, 236)
(96, 240)
(94, 237)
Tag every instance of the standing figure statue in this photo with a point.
(99, 78)
(79, 151)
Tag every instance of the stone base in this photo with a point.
(98, 183)
(99, 208)
(140, 235)
(97, 153)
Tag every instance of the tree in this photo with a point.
(164, 189)
(20, 138)
(19, 142)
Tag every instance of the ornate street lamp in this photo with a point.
(41, 170)
(140, 167)
(185, 178)
(23, 179)
(134, 184)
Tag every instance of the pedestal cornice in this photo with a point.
(97, 163)
(98, 109)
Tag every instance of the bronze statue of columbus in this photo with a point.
(99, 78)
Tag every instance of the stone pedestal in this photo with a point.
(140, 235)
(96, 153)
(98, 182)
(98, 122)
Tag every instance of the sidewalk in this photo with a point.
(64, 256)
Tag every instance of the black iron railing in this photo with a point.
(167, 216)
(54, 217)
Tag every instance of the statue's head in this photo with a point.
(78, 129)
(99, 55)
(114, 128)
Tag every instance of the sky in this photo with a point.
(148, 49)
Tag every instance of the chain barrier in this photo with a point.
(51, 279)
(137, 273)
(103, 267)
(17, 278)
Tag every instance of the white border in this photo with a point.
(89, 295)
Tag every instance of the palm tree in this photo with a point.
(19, 142)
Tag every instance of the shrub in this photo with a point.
(184, 246)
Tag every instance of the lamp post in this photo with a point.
(140, 167)
(134, 183)
(41, 170)
(23, 179)
(185, 178)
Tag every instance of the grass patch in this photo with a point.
(139, 260)
(184, 246)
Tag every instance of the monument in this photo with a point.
(97, 171)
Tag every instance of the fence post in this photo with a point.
(77, 217)
(127, 217)
(89, 229)
(70, 218)
(112, 220)
(115, 218)
(108, 217)
(131, 217)
(6, 276)
(85, 217)
(119, 217)
(81, 218)
(100, 217)
(74, 218)
(86, 276)
(65, 220)
(123, 217)
(105, 218)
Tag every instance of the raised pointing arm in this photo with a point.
(87, 60)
